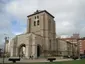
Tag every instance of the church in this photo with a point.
(40, 38)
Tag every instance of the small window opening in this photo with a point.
(34, 23)
(38, 22)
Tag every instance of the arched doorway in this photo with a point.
(21, 51)
(38, 50)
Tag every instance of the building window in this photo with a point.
(37, 17)
(38, 22)
(34, 23)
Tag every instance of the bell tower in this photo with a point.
(42, 23)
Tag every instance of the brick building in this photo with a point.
(82, 46)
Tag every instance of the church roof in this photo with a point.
(38, 11)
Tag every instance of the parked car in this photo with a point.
(82, 57)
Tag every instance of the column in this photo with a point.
(34, 47)
(11, 52)
(16, 51)
(34, 51)
(27, 51)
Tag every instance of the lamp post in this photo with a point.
(5, 40)
(4, 52)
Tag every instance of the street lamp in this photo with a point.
(5, 40)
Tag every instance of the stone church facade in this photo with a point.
(40, 38)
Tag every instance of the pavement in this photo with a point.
(33, 60)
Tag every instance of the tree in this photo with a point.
(0, 52)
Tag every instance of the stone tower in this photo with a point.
(42, 23)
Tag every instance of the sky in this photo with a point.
(69, 16)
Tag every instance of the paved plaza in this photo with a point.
(33, 60)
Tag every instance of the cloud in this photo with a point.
(21, 9)
(69, 15)
(15, 10)
(5, 23)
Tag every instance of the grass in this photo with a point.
(62, 62)
(65, 62)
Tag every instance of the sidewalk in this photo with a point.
(33, 60)
(43, 60)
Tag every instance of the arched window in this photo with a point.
(34, 23)
(37, 17)
(38, 22)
